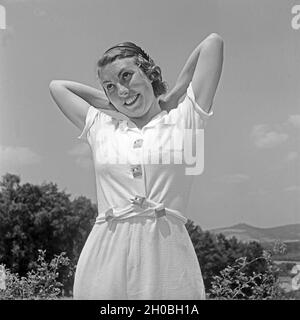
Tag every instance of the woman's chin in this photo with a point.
(136, 112)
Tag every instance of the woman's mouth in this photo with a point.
(132, 100)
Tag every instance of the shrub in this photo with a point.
(234, 282)
(215, 252)
(39, 283)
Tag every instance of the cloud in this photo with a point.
(84, 163)
(82, 155)
(39, 12)
(81, 149)
(264, 137)
(233, 178)
(293, 188)
(12, 158)
(294, 120)
(259, 192)
(291, 156)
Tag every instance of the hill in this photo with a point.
(246, 233)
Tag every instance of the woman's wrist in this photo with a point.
(93, 96)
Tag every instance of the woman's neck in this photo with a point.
(146, 118)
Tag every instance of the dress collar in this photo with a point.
(125, 123)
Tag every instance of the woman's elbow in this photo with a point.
(215, 42)
(216, 37)
(52, 84)
(55, 84)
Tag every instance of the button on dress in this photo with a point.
(139, 247)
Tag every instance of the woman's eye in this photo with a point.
(126, 75)
(109, 86)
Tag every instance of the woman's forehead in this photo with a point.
(113, 69)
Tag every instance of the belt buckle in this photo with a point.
(109, 215)
(138, 200)
(138, 143)
(136, 170)
(108, 218)
(160, 212)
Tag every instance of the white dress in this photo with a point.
(139, 247)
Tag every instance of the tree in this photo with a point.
(215, 252)
(36, 217)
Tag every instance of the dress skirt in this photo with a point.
(139, 258)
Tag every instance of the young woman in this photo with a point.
(139, 247)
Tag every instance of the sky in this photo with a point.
(252, 141)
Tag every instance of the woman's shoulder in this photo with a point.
(97, 116)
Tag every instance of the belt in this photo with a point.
(139, 207)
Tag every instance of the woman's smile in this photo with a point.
(130, 101)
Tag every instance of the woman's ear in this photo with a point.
(155, 74)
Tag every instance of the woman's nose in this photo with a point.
(122, 91)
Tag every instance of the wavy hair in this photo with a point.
(143, 61)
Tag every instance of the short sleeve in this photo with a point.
(203, 114)
(91, 116)
(192, 114)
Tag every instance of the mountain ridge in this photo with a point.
(246, 232)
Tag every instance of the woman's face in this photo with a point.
(127, 87)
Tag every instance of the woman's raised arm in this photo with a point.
(74, 100)
(203, 68)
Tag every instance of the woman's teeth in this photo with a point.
(131, 100)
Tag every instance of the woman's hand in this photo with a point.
(170, 100)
